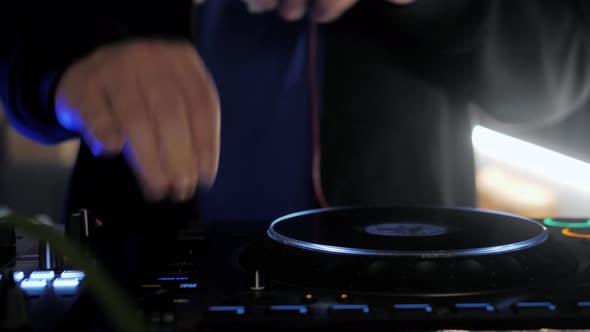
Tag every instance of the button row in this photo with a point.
(38, 280)
(406, 308)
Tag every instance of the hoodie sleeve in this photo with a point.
(38, 44)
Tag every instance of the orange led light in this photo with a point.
(343, 296)
(308, 296)
(568, 232)
(150, 286)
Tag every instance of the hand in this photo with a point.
(155, 102)
(324, 11)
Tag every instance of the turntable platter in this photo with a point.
(408, 250)
(420, 232)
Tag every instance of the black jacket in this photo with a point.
(396, 124)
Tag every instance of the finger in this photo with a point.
(325, 11)
(169, 111)
(292, 10)
(142, 148)
(101, 131)
(203, 108)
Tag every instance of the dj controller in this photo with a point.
(348, 268)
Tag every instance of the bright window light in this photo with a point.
(532, 159)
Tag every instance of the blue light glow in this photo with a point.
(301, 308)
(73, 274)
(239, 310)
(486, 306)
(362, 307)
(65, 283)
(547, 305)
(172, 278)
(584, 304)
(189, 285)
(66, 119)
(96, 147)
(18, 276)
(33, 283)
(413, 306)
(42, 275)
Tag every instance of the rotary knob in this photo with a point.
(49, 258)
(258, 281)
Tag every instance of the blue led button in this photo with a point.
(535, 307)
(73, 274)
(349, 310)
(188, 285)
(65, 283)
(412, 307)
(18, 276)
(583, 306)
(33, 284)
(474, 307)
(47, 275)
(288, 310)
(227, 310)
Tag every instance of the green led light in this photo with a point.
(555, 223)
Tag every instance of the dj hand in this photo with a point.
(155, 102)
(323, 11)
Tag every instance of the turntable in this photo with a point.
(372, 269)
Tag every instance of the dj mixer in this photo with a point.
(346, 268)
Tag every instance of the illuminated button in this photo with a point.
(225, 310)
(47, 275)
(343, 297)
(555, 223)
(474, 307)
(568, 232)
(73, 274)
(535, 307)
(61, 283)
(413, 307)
(309, 298)
(32, 284)
(18, 276)
(584, 306)
(346, 309)
(289, 309)
(173, 279)
(188, 285)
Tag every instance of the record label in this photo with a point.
(406, 229)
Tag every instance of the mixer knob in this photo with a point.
(258, 282)
(80, 227)
(49, 258)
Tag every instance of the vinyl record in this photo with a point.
(407, 231)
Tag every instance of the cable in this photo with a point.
(115, 304)
(315, 117)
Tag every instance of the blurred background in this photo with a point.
(537, 172)
(33, 177)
